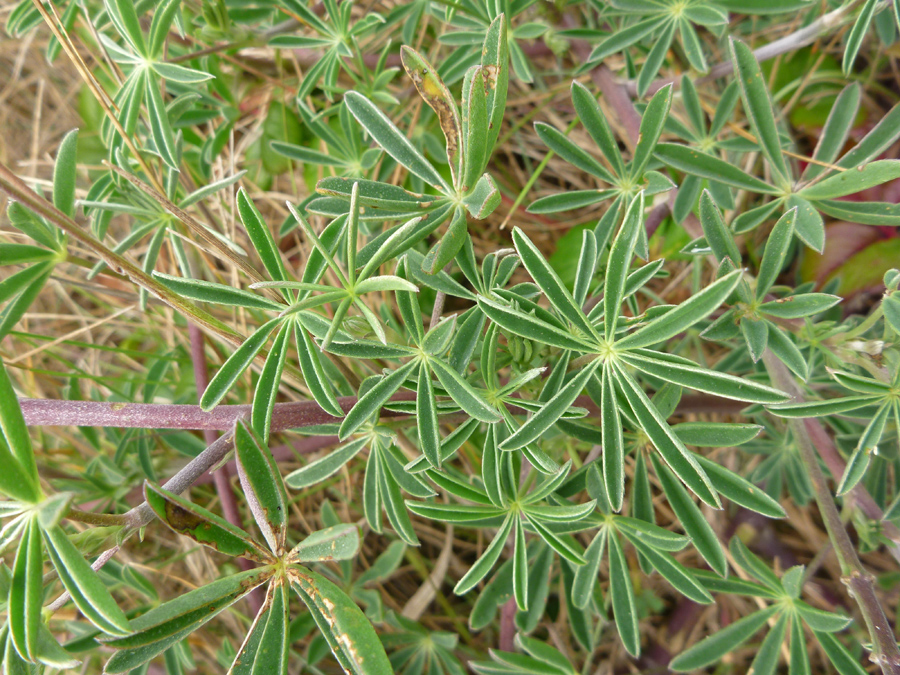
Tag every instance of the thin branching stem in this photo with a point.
(859, 581)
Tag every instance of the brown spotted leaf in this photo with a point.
(340, 542)
(201, 525)
(349, 634)
(435, 93)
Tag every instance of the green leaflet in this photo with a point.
(263, 487)
(26, 591)
(327, 465)
(714, 647)
(776, 251)
(799, 306)
(697, 163)
(267, 385)
(572, 153)
(758, 106)
(201, 525)
(766, 660)
(20, 254)
(718, 236)
(547, 416)
(261, 237)
(834, 406)
(684, 315)
(462, 392)
(350, 635)
(520, 567)
(591, 116)
(586, 575)
(695, 525)
(716, 434)
(236, 364)
(64, 172)
(164, 625)
(623, 601)
(340, 542)
(652, 122)
(488, 559)
(19, 478)
(219, 294)
(868, 442)
(664, 440)
(702, 379)
(495, 71)
(857, 33)
(376, 397)
(739, 490)
(855, 180)
(389, 137)
(474, 126)
(314, 374)
(552, 286)
(613, 442)
(620, 257)
(87, 590)
(672, 571)
(843, 661)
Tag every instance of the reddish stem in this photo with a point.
(220, 477)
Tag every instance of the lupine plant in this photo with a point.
(432, 444)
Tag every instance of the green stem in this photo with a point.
(98, 519)
(18, 190)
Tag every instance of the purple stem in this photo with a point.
(53, 412)
(220, 477)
